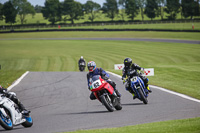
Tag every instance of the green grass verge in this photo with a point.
(103, 34)
(176, 65)
(175, 126)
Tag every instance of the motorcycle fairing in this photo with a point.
(15, 115)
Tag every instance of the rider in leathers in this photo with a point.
(93, 70)
(12, 96)
(130, 69)
(81, 60)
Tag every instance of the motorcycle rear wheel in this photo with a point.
(81, 68)
(107, 103)
(28, 122)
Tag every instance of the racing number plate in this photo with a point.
(134, 79)
(96, 84)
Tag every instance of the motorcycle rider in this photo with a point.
(13, 97)
(93, 70)
(130, 69)
(81, 60)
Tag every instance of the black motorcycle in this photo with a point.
(82, 66)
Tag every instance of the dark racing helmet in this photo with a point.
(127, 63)
(91, 66)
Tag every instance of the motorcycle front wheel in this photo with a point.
(105, 99)
(81, 68)
(6, 123)
(143, 98)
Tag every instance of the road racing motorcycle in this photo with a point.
(82, 66)
(11, 116)
(138, 88)
(105, 93)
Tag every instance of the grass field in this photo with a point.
(175, 126)
(103, 34)
(176, 65)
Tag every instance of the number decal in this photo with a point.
(134, 79)
(96, 84)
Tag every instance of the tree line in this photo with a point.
(70, 10)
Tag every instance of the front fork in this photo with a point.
(4, 112)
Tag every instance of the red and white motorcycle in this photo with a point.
(105, 93)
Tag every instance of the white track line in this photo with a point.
(17, 81)
(165, 90)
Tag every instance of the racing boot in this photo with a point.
(149, 90)
(92, 96)
(23, 110)
(134, 96)
(146, 82)
(117, 92)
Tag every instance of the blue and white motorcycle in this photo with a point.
(138, 88)
(11, 116)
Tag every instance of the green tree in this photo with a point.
(151, 8)
(1, 11)
(23, 8)
(110, 8)
(38, 9)
(73, 9)
(190, 8)
(52, 11)
(132, 8)
(122, 12)
(161, 4)
(172, 8)
(92, 8)
(9, 12)
(141, 4)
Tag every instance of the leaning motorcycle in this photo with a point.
(105, 93)
(11, 116)
(138, 88)
(82, 66)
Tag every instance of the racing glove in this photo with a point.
(142, 70)
(124, 80)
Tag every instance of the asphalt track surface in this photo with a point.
(59, 101)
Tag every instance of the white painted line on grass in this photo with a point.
(165, 90)
(17, 81)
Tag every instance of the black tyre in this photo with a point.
(143, 98)
(107, 102)
(118, 106)
(28, 122)
(6, 123)
(81, 68)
